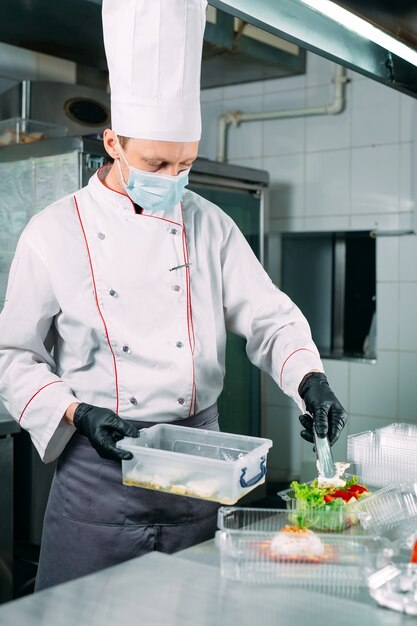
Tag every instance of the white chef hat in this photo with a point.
(153, 50)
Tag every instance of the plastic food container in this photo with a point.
(395, 587)
(385, 455)
(253, 550)
(323, 518)
(18, 130)
(391, 512)
(206, 464)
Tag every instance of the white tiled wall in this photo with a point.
(350, 171)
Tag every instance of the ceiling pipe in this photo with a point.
(235, 118)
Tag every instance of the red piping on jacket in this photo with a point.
(288, 357)
(114, 190)
(98, 306)
(155, 217)
(36, 393)
(190, 324)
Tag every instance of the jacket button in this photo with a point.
(133, 401)
(101, 235)
(112, 292)
(126, 349)
(179, 344)
(176, 288)
(181, 400)
(173, 231)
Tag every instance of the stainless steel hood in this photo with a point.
(299, 23)
(72, 29)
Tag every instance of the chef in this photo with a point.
(117, 306)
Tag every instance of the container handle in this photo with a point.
(249, 483)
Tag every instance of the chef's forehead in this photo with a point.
(153, 150)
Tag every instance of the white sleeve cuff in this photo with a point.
(295, 367)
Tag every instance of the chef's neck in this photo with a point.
(112, 180)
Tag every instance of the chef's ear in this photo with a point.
(111, 143)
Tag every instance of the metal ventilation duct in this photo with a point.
(297, 22)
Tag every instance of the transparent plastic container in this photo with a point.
(253, 550)
(206, 464)
(391, 512)
(323, 518)
(16, 130)
(394, 587)
(385, 455)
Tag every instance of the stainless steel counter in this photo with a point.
(186, 589)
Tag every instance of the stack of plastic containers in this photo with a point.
(385, 455)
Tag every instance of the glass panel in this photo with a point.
(27, 187)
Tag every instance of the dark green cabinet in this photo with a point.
(240, 401)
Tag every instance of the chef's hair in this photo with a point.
(122, 140)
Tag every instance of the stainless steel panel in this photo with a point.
(339, 279)
(49, 101)
(6, 518)
(224, 174)
(51, 147)
(32, 482)
(229, 171)
(307, 275)
(8, 425)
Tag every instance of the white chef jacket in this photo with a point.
(129, 311)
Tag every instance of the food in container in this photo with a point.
(264, 546)
(295, 542)
(322, 506)
(206, 464)
(18, 130)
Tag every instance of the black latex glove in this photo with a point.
(103, 428)
(326, 413)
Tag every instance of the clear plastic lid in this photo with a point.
(385, 455)
(391, 512)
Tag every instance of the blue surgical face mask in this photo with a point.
(152, 191)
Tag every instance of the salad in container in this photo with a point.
(323, 505)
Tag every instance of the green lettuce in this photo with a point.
(312, 511)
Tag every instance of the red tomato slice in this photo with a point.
(357, 488)
(414, 553)
(342, 494)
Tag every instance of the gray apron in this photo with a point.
(93, 521)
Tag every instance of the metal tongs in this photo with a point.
(324, 456)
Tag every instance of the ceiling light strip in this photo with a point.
(362, 27)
